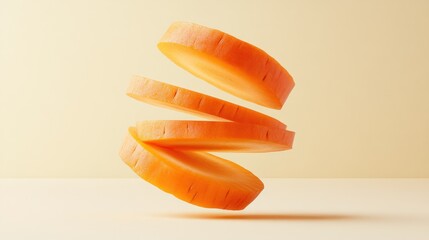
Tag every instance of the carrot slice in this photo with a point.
(214, 136)
(170, 154)
(198, 178)
(170, 96)
(228, 63)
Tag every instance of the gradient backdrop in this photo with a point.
(360, 107)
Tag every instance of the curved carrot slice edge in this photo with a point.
(228, 63)
(198, 178)
(177, 98)
(214, 136)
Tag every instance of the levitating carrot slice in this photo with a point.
(198, 178)
(228, 63)
(214, 136)
(166, 95)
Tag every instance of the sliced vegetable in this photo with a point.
(228, 63)
(214, 136)
(198, 178)
(170, 154)
(166, 95)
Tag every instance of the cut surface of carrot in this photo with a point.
(173, 97)
(199, 178)
(214, 136)
(228, 63)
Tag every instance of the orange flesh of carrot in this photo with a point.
(214, 136)
(169, 96)
(199, 178)
(228, 63)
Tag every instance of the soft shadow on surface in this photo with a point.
(266, 216)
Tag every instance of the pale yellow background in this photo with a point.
(360, 107)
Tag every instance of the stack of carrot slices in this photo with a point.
(172, 155)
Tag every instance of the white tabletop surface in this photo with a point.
(286, 209)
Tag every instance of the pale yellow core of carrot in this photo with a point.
(199, 178)
(214, 136)
(177, 98)
(228, 63)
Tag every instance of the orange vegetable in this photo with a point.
(228, 63)
(195, 177)
(214, 136)
(171, 154)
(169, 96)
